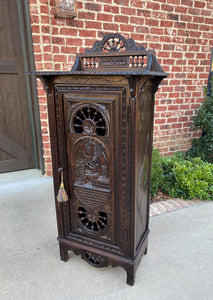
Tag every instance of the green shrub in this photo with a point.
(203, 119)
(194, 179)
(157, 172)
(180, 176)
(187, 178)
(169, 180)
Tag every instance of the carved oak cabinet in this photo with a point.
(101, 124)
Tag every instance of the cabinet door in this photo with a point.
(93, 139)
(90, 146)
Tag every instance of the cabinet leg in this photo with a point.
(145, 252)
(130, 270)
(63, 252)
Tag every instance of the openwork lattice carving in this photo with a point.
(89, 120)
(95, 259)
(92, 220)
(113, 51)
(115, 43)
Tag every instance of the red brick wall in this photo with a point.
(181, 32)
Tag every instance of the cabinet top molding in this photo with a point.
(114, 55)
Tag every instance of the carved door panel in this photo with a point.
(92, 124)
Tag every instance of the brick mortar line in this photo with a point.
(157, 212)
(36, 11)
(136, 16)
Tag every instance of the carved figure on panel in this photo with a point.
(91, 171)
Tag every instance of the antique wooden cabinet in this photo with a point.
(101, 124)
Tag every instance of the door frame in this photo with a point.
(32, 99)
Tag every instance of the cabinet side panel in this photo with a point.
(143, 156)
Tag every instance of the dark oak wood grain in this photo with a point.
(101, 128)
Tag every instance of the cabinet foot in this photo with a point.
(63, 252)
(130, 270)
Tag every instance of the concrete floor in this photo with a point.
(179, 264)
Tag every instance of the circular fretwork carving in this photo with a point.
(114, 44)
(95, 259)
(89, 120)
(91, 220)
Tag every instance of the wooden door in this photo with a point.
(16, 147)
(91, 120)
